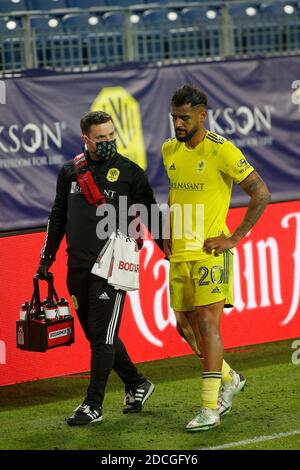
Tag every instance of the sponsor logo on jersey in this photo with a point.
(242, 163)
(187, 186)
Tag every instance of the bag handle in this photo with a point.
(36, 298)
(51, 291)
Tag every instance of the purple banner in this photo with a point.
(254, 103)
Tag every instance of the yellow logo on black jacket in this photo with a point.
(113, 175)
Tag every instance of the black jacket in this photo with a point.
(72, 215)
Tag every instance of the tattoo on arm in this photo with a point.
(254, 186)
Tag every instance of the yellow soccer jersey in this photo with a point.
(200, 190)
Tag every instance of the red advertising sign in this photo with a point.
(267, 298)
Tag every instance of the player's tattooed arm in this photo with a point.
(254, 186)
(259, 194)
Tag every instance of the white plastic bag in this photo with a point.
(125, 271)
(118, 262)
(103, 262)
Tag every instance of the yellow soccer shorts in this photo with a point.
(196, 283)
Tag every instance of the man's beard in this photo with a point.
(188, 135)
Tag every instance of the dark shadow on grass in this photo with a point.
(166, 370)
(243, 358)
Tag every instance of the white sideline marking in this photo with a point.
(276, 435)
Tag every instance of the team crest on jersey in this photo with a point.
(200, 166)
(113, 175)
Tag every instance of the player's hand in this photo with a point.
(215, 245)
(167, 244)
(43, 267)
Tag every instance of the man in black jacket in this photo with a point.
(98, 305)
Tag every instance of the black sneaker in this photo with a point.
(129, 397)
(135, 399)
(85, 414)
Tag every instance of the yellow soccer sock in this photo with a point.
(210, 389)
(227, 373)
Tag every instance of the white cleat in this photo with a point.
(228, 392)
(205, 419)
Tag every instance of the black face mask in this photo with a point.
(106, 149)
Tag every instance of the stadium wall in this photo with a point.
(267, 297)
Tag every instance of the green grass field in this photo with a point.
(33, 414)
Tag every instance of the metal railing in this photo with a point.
(158, 42)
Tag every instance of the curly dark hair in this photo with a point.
(189, 94)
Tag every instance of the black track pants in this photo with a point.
(99, 311)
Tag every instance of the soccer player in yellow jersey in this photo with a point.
(201, 167)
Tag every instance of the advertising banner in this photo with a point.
(254, 103)
(266, 288)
